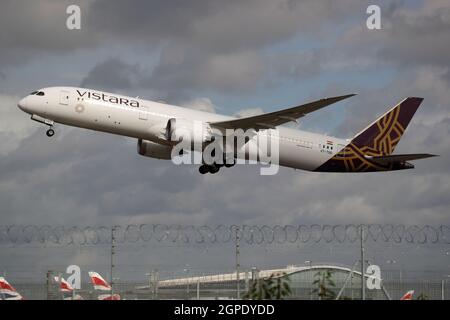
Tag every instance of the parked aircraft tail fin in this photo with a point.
(64, 286)
(98, 282)
(7, 291)
(408, 295)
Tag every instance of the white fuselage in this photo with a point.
(144, 119)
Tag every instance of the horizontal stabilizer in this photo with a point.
(400, 157)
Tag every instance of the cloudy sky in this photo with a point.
(230, 57)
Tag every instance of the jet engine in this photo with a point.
(153, 150)
(180, 129)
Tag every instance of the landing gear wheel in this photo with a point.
(214, 168)
(203, 169)
(50, 133)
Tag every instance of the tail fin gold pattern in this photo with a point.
(380, 138)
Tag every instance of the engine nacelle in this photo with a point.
(154, 150)
(180, 129)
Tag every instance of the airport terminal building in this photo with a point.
(346, 285)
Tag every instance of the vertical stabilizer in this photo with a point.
(379, 139)
(381, 136)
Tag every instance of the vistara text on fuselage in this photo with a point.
(155, 125)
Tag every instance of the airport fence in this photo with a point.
(29, 252)
(205, 234)
(302, 289)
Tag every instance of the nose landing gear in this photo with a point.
(50, 132)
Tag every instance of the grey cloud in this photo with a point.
(31, 28)
(192, 69)
(218, 26)
(202, 104)
(248, 112)
(113, 74)
(214, 45)
(426, 82)
(12, 127)
(63, 179)
(179, 73)
(419, 37)
(409, 36)
(185, 67)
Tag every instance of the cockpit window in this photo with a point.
(34, 92)
(40, 93)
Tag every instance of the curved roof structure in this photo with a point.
(226, 277)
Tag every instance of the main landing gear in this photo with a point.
(213, 168)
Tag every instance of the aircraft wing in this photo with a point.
(273, 119)
(400, 157)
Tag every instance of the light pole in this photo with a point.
(308, 262)
(363, 281)
(392, 261)
(153, 283)
(186, 270)
(399, 269)
(113, 251)
(443, 283)
(115, 280)
(237, 244)
(149, 276)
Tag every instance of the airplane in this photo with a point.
(7, 291)
(153, 124)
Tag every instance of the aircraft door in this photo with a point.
(64, 96)
(143, 112)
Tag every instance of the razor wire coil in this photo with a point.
(219, 234)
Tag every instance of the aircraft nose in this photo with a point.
(23, 105)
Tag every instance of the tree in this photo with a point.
(323, 281)
(274, 287)
(422, 296)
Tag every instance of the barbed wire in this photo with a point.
(221, 234)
